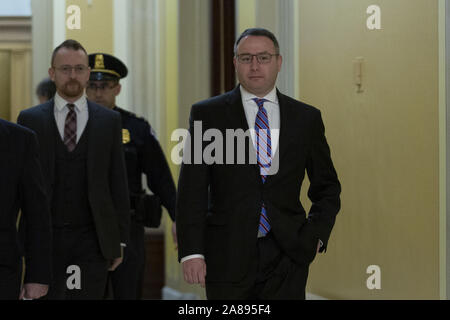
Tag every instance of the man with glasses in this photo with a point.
(143, 155)
(83, 163)
(241, 228)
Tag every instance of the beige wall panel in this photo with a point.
(20, 82)
(96, 33)
(384, 143)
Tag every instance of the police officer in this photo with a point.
(143, 155)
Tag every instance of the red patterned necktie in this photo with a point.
(264, 156)
(70, 128)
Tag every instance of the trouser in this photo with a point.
(79, 268)
(274, 276)
(126, 282)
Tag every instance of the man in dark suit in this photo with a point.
(143, 155)
(83, 163)
(241, 228)
(22, 187)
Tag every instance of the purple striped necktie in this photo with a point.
(263, 156)
(70, 128)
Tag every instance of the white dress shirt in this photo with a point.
(61, 110)
(251, 110)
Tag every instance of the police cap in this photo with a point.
(106, 67)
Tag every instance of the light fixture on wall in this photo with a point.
(89, 2)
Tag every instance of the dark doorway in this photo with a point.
(223, 26)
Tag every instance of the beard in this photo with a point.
(72, 89)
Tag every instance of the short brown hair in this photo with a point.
(69, 44)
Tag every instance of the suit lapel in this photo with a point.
(285, 127)
(235, 111)
(238, 120)
(49, 129)
(3, 137)
(4, 142)
(93, 138)
(5, 154)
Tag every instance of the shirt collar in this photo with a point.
(271, 96)
(80, 104)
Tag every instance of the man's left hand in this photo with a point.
(33, 291)
(117, 261)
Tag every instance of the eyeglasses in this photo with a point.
(67, 70)
(102, 87)
(262, 58)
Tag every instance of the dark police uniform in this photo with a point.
(143, 155)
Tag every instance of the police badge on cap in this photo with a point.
(106, 67)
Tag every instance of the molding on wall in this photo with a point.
(15, 38)
(15, 29)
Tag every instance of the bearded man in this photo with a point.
(85, 178)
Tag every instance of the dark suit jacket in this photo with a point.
(22, 187)
(218, 206)
(107, 181)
